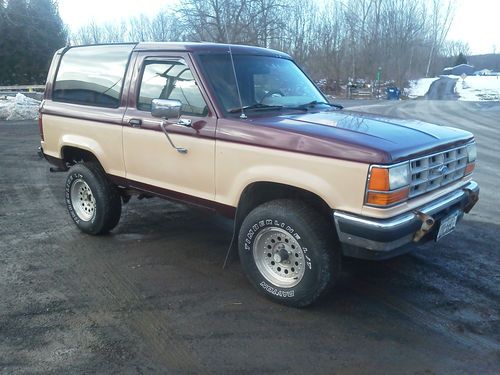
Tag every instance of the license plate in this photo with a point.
(447, 225)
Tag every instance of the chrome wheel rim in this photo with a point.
(279, 257)
(82, 200)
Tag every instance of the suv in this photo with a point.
(243, 131)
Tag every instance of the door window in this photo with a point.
(171, 80)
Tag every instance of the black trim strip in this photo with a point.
(223, 209)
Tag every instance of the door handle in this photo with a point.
(184, 122)
(181, 150)
(135, 122)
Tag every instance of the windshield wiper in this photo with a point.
(315, 102)
(256, 106)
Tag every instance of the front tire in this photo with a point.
(288, 252)
(93, 202)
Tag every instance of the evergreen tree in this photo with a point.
(15, 39)
(31, 31)
(461, 59)
(2, 40)
(47, 35)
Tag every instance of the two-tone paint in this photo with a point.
(327, 153)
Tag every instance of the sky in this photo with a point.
(476, 21)
(76, 13)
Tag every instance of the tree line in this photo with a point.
(334, 40)
(30, 32)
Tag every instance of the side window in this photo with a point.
(92, 75)
(170, 80)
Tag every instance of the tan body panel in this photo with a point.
(339, 183)
(101, 139)
(150, 159)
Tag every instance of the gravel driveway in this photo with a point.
(152, 298)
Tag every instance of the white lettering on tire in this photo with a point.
(276, 292)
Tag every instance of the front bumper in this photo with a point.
(365, 237)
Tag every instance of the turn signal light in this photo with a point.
(379, 179)
(386, 199)
(470, 167)
(388, 185)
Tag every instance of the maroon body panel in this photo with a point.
(250, 132)
(111, 116)
(203, 127)
(343, 135)
(51, 76)
(225, 210)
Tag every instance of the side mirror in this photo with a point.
(166, 108)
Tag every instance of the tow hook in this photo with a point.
(473, 198)
(427, 224)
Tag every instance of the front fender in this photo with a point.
(340, 183)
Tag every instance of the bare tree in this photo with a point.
(231, 21)
(333, 39)
(89, 34)
(441, 19)
(453, 48)
(166, 27)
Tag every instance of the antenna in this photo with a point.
(242, 116)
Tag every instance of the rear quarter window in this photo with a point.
(92, 75)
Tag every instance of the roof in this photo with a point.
(196, 47)
(207, 47)
(458, 66)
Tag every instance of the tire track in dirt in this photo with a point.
(113, 289)
(114, 292)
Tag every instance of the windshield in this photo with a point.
(265, 82)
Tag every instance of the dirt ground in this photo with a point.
(152, 297)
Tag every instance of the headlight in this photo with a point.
(472, 152)
(471, 158)
(388, 185)
(399, 176)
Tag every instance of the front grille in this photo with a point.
(431, 172)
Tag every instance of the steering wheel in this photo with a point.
(271, 93)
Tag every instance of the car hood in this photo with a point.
(362, 137)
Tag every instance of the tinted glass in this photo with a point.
(266, 80)
(92, 75)
(171, 80)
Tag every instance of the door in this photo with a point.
(151, 163)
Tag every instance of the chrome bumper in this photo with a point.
(384, 236)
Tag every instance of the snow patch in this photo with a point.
(419, 87)
(479, 88)
(18, 107)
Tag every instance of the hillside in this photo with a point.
(488, 61)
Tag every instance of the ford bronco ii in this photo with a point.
(243, 131)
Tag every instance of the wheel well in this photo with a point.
(261, 192)
(72, 155)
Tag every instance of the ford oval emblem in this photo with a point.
(443, 170)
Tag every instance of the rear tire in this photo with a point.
(289, 253)
(93, 202)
